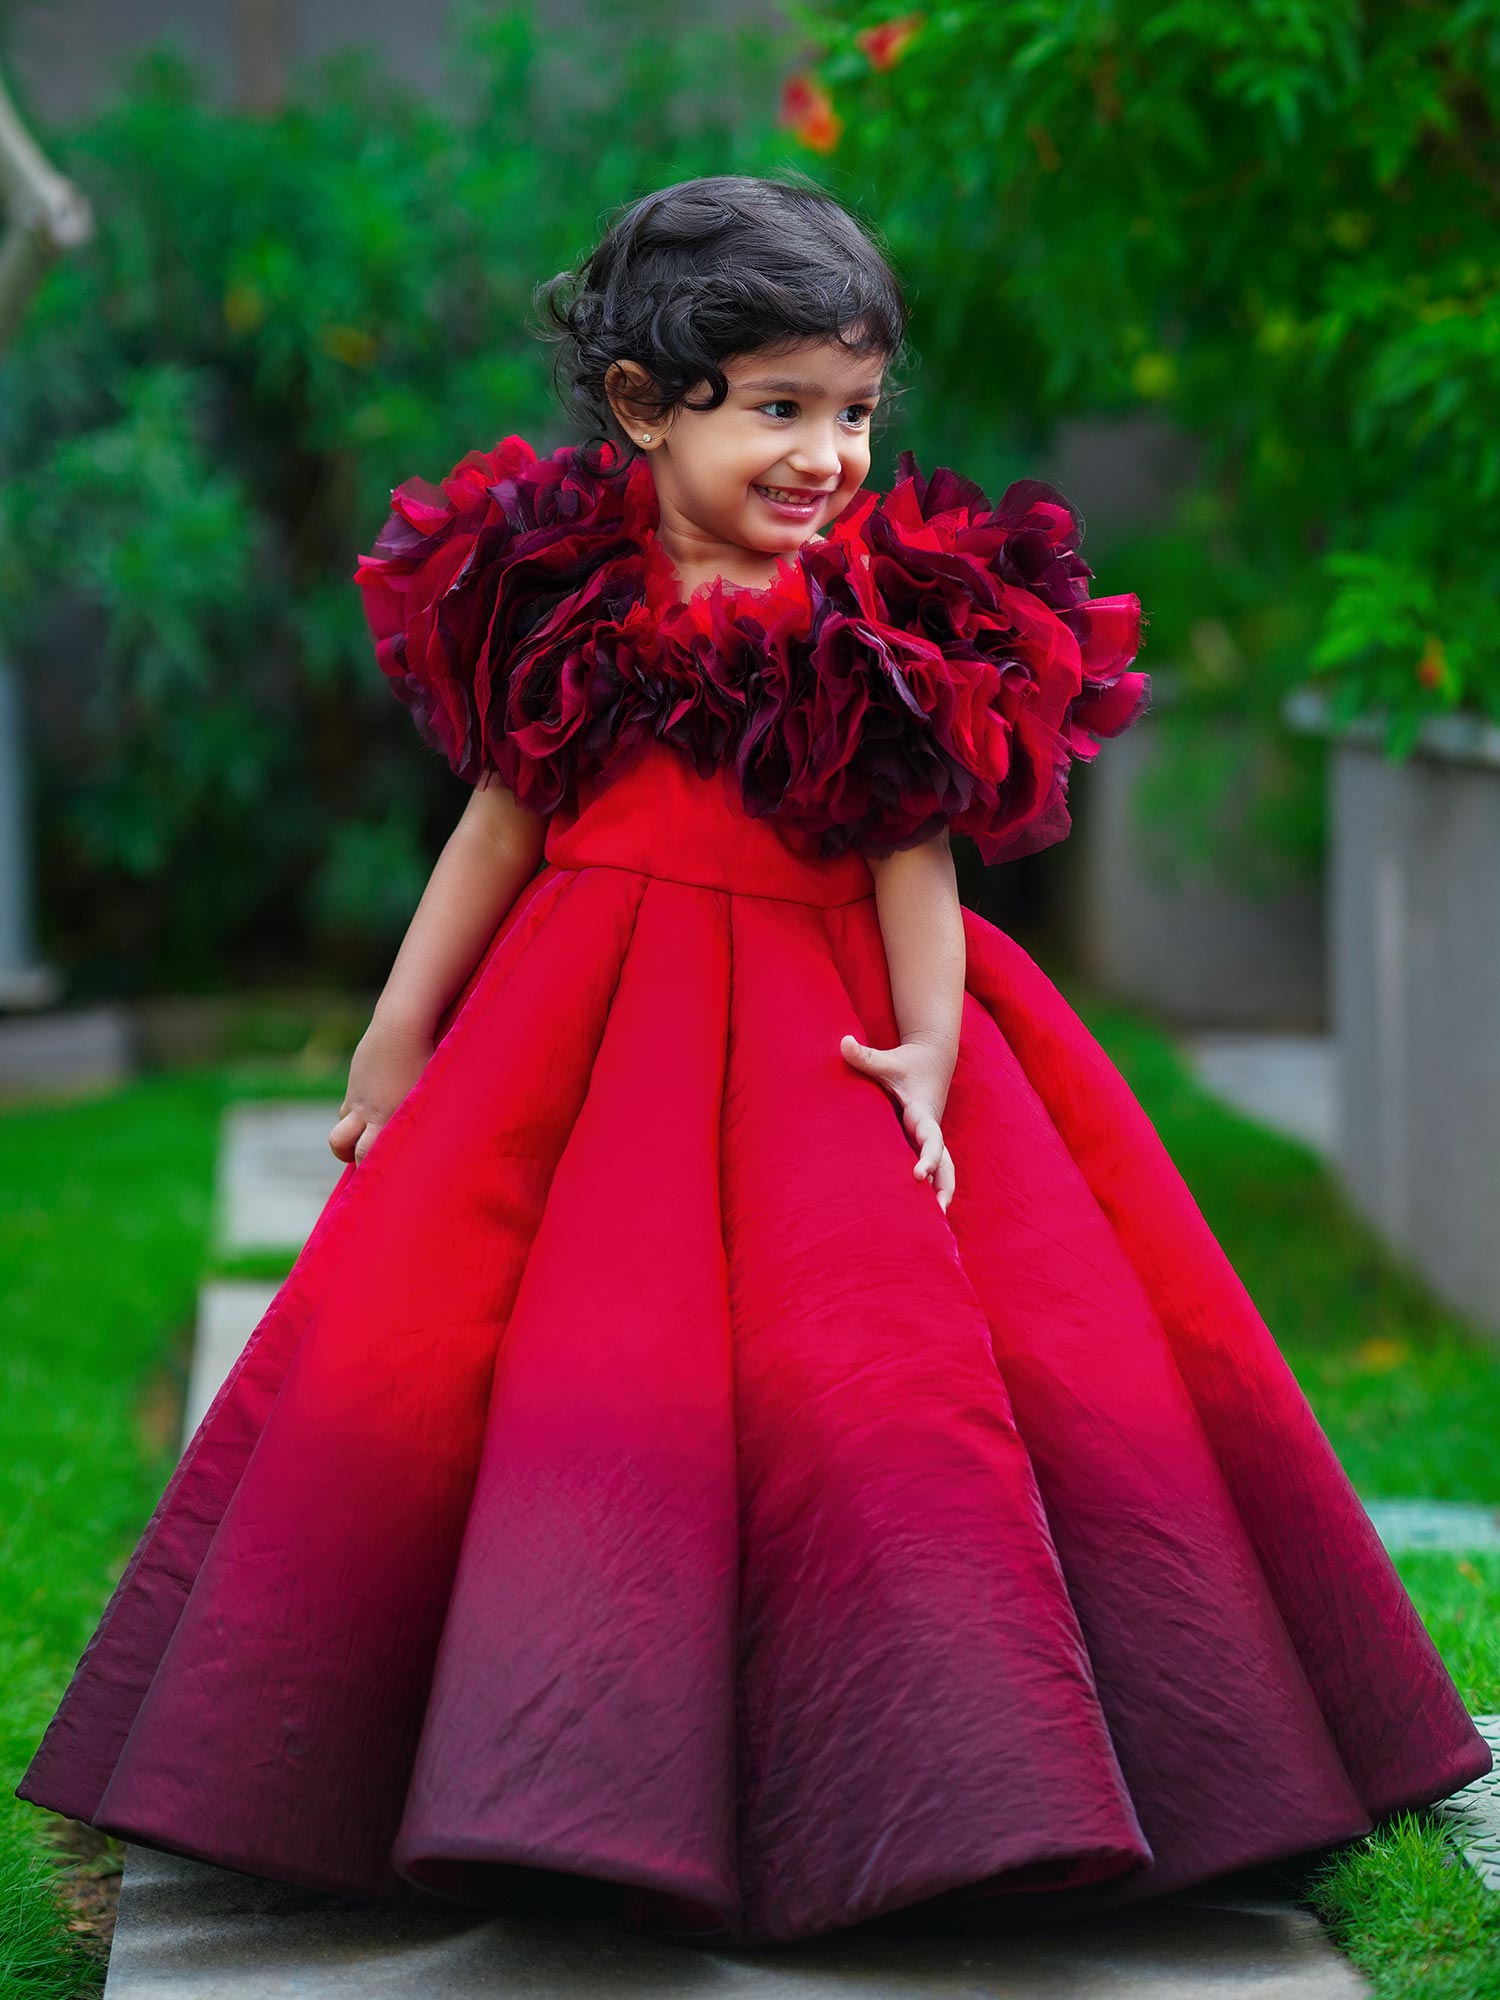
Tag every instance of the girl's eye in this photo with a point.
(785, 403)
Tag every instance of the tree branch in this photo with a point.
(45, 214)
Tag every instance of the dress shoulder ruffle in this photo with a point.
(935, 660)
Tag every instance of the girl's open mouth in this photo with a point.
(780, 500)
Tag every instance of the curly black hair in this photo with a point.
(696, 274)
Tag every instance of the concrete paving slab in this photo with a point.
(188, 1929)
(1435, 1524)
(275, 1173)
(229, 1309)
(1475, 1812)
(1286, 1081)
(72, 1051)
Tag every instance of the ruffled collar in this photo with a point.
(934, 659)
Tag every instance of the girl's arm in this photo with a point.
(486, 861)
(921, 922)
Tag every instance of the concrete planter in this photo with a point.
(1413, 895)
(1198, 949)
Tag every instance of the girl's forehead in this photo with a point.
(814, 367)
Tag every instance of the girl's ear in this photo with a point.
(627, 385)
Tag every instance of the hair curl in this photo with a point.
(696, 274)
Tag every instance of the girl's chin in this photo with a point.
(779, 548)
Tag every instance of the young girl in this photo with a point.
(760, 1430)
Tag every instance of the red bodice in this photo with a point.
(660, 818)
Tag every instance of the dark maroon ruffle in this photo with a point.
(934, 661)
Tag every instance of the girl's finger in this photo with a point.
(341, 1139)
(946, 1182)
(926, 1135)
(367, 1139)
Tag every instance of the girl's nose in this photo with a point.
(817, 464)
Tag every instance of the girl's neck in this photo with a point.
(733, 568)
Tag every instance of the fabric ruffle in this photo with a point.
(935, 660)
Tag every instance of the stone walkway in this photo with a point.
(275, 1173)
(1455, 1525)
(1289, 1082)
(186, 1929)
(1475, 1812)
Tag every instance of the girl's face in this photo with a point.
(782, 456)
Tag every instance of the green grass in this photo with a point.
(105, 1213)
(1459, 1598)
(104, 1210)
(1415, 1920)
(104, 1238)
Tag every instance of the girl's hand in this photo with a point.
(916, 1076)
(386, 1063)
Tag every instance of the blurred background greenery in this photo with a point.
(1271, 229)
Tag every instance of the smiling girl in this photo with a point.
(761, 1433)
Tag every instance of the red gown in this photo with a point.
(639, 1477)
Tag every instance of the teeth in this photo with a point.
(781, 493)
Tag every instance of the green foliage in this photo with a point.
(1274, 223)
(1229, 794)
(200, 424)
